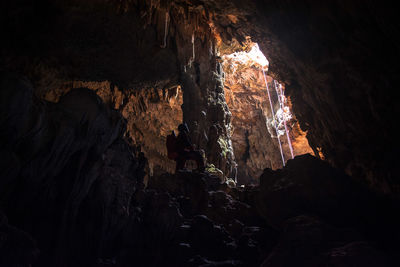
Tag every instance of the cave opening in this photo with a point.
(90, 89)
(265, 131)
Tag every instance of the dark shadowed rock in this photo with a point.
(307, 241)
(70, 176)
(190, 185)
(17, 248)
(358, 254)
(210, 240)
(309, 185)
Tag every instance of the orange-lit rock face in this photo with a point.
(150, 113)
(254, 137)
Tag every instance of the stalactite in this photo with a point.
(193, 46)
(165, 29)
(192, 58)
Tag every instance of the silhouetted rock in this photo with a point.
(210, 240)
(17, 248)
(309, 185)
(187, 184)
(358, 254)
(307, 241)
(70, 175)
(218, 230)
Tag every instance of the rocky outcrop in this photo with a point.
(67, 175)
(218, 228)
(17, 248)
(151, 113)
(158, 45)
(308, 186)
(307, 241)
(320, 216)
(313, 186)
(331, 58)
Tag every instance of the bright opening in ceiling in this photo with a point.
(259, 106)
(253, 57)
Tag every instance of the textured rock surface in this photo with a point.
(72, 183)
(311, 186)
(69, 177)
(254, 138)
(158, 45)
(340, 63)
(17, 248)
(307, 241)
(218, 227)
(150, 115)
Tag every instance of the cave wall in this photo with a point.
(134, 45)
(85, 40)
(338, 60)
(67, 174)
(204, 108)
(150, 114)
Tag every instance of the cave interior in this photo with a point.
(291, 103)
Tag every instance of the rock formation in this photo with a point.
(68, 177)
(150, 51)
(89, 89)
(150, 114)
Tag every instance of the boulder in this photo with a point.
(309, 185)
(308, 241)
(67, 174)
(210, 240)
(17, 247)
(191, 185)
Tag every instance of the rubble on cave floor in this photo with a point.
(207, 225)
(302, 215)
(307, 214)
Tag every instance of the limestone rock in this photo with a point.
(306, 241)
(17, 247)
(73, 173)
(307, 185)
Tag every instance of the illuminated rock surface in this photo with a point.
(254, 138)
(150, 114)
